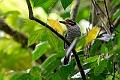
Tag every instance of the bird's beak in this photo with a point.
(63, 22)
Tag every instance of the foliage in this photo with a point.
(18, 62)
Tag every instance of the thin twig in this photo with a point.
(19, 37)
(92, 13)
(101, 19)
(75, 10)
(100, 8)
(114, 60)
(107, 14)
(60, 36)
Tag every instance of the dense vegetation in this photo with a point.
(30, 50)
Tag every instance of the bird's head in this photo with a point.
(68, 22)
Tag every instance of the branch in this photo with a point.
(60, 36)
(75, 10)
(107, 14)
(17, 36)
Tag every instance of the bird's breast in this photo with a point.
(72, 33)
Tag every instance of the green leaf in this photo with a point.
(81, 43)
(116, 14)
(12, 18)
(48, 4)
(65, 71)
(100, 68)
(37, 3)
(39, 50)
(61, 52)
(2, 76)
(114, 2)
(25, 76)
(53, 40)
(95, 47)
(91, 59)
(15, 77)
(35, 35)
(117, 48)
(35, 71)
(56, 76)
(110, 64)
(66, 3)
(51, 66)
(104, 49)
(36, 78)
(98, 77)
(49, 60)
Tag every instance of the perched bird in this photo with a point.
(73, 31)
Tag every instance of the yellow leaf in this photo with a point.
(92, 35)
(56, 26)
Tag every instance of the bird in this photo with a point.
(72, 32)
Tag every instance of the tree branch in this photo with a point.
(107, 14)
(17, 36)
(31, 16)
(75, 10)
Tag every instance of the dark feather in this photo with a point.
(65, 46)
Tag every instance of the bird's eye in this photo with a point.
(71, 22)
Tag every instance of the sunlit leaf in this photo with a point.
(15, 77)
(35, 71)
(39, 50)
(55, 25)
(61, 51)
(81, 43)
(35, 35)
(50, 67)
(91, 59)
(49, 60)
(2, 76)
(66, 3)
(103, 49)
(95, 47)
(37, 3)
(52, 39)
(92, 34)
